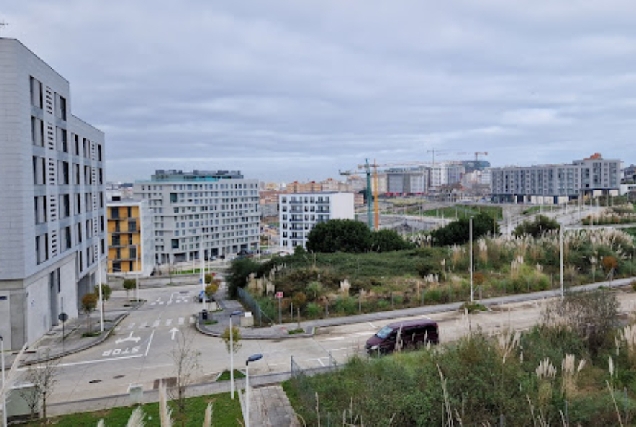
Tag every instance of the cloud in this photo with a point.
(293, 90)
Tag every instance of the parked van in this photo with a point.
(413, 334)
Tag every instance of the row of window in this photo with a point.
(47, 245)
(46, 172)
(57, 138)
(215, 186)
(45, 98)
(46, 207)
(305, 199)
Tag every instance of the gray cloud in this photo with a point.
(297, 90)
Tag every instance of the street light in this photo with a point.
(4, 384)
(470, 232)
(561, 257)
(252, 358)
(234, 313)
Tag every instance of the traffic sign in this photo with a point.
(63, 317)
(279, 295)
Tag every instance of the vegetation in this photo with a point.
(547, 376)
(89, 303)
(227, 412)
(458, 232)
(461, 211)
(536, 228)
(129, 284)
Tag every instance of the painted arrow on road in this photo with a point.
(173, 331)
(128, 338)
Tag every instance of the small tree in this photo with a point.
(129, 284)
(89, 303)
(106, 293)
(211, 289)
(186, 365)
(43, 378)
(609, 264)
(236, 338)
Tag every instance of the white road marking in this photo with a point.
(144, 325)
(128, 338)
(173, 331)
(153, 303)
(160, 302)
(117, 328)
(372, 325)
(181, 320)
(156, 323)
(132, 325)
(149, 342)
(168, 322)
(192, 320)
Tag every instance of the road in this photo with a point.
(140, 350)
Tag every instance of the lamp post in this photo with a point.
(561, 257)
(4, 384)
(99, 284)
(470, 232)
(234, 313)
(138, 268)
(252, 358)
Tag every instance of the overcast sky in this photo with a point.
(287, 90)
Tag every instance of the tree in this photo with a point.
(536, 228)
(186, 365)
(339, 235)
(211, 289)
(106, 293)
(388, 240)
(89, 303)
(458, 232)
(236, 338)
(129, 284)
(42, 376)
(239, 271)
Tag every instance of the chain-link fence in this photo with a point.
(260, 318)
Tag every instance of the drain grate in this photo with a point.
(116, 377)
(94, 381)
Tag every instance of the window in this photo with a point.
(114, 213)
(175, 243)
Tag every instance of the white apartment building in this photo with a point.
(446, 173)
(52, 190)
(593, 176)
(301, 211)
(201, 213)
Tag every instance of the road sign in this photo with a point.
(279, 295)
(63, 317)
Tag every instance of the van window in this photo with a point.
(384, 332)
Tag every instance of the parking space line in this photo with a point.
(168, 322)
(156, 323)
(181, 320)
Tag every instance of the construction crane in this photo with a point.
(371, 172)
(477, 153)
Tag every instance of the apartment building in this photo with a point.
(52, 215)
(201, 213)
(300, 212)
(558, 183)
(131, 237)
(446, 173)
(407, 181)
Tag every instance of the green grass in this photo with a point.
(226, 412)
(464, 211)
(296, 331)
(225, 375)
(90, 334)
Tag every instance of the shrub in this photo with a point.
(299, 300)
(313, 310)
(129, 284)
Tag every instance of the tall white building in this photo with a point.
(201, 213)
(52, 190)
(299, 213)
(557, 183)
(446, 173)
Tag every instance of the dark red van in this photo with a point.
(413, 334)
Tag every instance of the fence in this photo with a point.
(258, 314)
(307, 394)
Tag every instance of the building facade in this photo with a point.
(201, 213)
(52, 215)
(300, 212)
(407, 181)
(593, 176)
(131, 238)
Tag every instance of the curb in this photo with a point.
(310, 332)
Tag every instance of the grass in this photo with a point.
(227, 412)
(91, 334)
(464, 211)
(296, 331)
(210, 322)
(225, 375)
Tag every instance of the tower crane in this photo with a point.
(477, 153)
(371, 171)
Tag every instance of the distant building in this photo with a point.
(407, 181)
(52, 215)
(446, 173)
(131, 239)
(201, 213)
(593, 176)
(300, 212)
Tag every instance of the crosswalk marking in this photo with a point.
(132, 325)
(143, 325)
(153, 303)
(160, 302)
(168, 322)
(155, 323)
(181, 320)
(192, 320)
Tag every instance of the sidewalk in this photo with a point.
(69, 338)
(222, 317)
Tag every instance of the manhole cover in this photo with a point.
(116, 377)
(94, 381)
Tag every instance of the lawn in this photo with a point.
(226, 412)
(465, 211)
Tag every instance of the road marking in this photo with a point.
(153, 303)
(372, 325)
(181, 320)
(144, 325)
(156, 323)
(132, 325)
(149, 342)
(334, 339)
(160, 302)
(173, 331)
(168, 322)
(192, 320)
(117, 328)
(128, 338)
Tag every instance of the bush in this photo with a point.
(129, 284)
(313, 310)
